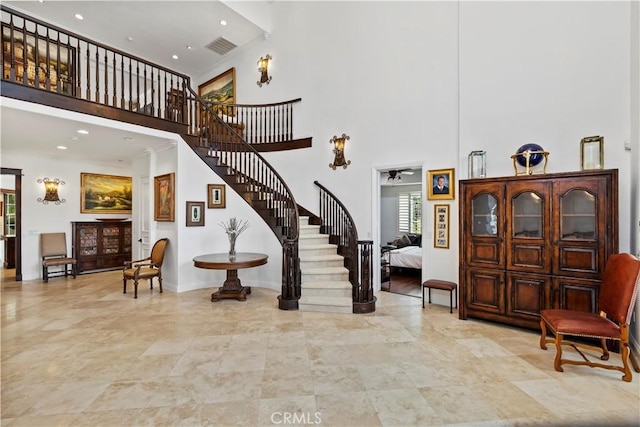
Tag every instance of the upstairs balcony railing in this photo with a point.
(40, 55)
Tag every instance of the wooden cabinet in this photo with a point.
(101, 245)
(534, 242)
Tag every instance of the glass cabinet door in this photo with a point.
(111, 239)
(88, 241)
(578, 216)
(485, 216)
(527, 215)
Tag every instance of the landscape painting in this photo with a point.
(222, 89)
(105, 193)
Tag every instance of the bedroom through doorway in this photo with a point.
(400, 208)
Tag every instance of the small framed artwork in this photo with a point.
(441, 226)
(164, 197)
(592, 153)
(195, 214)
(216, 196)
(441, 184)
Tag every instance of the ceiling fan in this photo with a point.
(396, 174)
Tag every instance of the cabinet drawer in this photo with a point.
(576, 294)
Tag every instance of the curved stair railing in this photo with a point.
(339, 225)
(223, 148)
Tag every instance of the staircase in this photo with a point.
(325, 281)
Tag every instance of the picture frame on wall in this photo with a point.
(101, 193)
(441, 184)
(216, 197)
(164, 197)
(441, 226)
(195, 214)
(221, 88)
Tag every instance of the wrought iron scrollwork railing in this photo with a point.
(338, 223)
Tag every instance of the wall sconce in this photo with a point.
(338, 150)
(592, 152)
(263, 69)
(51, 191)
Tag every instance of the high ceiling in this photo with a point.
(158, 29)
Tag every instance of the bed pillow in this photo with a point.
(402, 241)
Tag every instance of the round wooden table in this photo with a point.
(231, 288)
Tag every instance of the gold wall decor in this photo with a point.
(105, 193)
(338, 150)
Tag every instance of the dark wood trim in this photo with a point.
(17, 173)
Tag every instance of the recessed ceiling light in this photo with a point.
(130, 38)
(61, 147)
(84, 132)
(174, 56)
(74, 138)
(78, 16)
(223, 22)
(189, 47)
(128, 138)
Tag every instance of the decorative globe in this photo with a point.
(534, 158)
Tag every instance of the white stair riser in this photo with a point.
(313, 239)
(324, 308)
(304, 264)
(324, 277)
(305, 231)
(307, 252)
(326, 292)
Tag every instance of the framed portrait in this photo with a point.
(221, 88)
(441, 184)
(164, 197)
(441, 226)
(216, 196)
(105, 193)
(195, 214)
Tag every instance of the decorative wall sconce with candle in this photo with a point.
(338, 150)
(263, 69)
(51, 191)
(592, 152)
(478, 164)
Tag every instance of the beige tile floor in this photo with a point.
(80, 353)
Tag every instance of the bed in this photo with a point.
(406, 257)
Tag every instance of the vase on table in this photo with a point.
(233, 228)
(232, 245)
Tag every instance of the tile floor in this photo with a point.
(80, 353)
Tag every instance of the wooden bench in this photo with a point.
(442, 285)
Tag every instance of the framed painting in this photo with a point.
(216, 196)
(441, 226)
(164, 197)
(222, 89)
(195, 214)
(105, 193)
(55, 61)
(441, 184)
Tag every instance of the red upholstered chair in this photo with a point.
(147, 268)
(616, 300)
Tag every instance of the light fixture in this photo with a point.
(477, 164)
(83, 131)
(223, 22)
(263, 69)
(79, 16)
(51, 191)
(592, 152)
(338, 150)
(174, 56)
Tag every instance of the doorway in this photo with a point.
(400, 200)
(12, 234)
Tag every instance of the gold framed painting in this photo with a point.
(221, 89)
(216, 196)
(441, 184)
(441, 226)
(164, 197)
(105, 193)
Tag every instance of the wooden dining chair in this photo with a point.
(54, 254)
(616, 301)
(146, 268)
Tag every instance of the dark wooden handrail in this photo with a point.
(338, 223)
(62, 64)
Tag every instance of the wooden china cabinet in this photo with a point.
(534, 242)
(101, 245)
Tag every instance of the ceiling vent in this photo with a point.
(221, 46)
